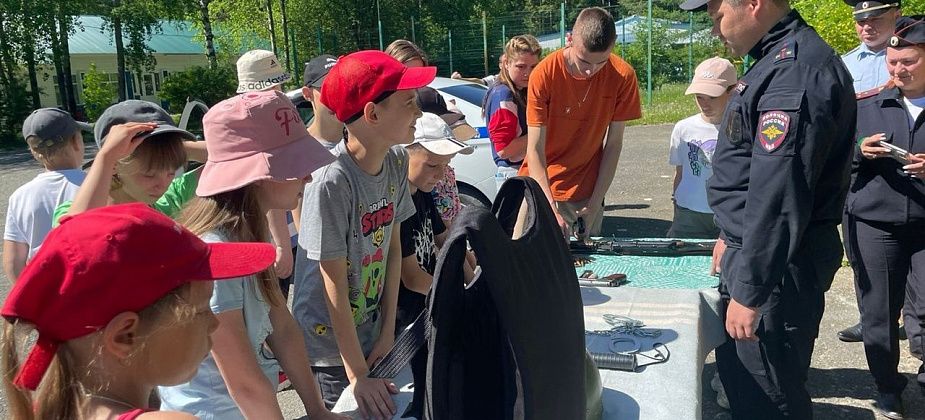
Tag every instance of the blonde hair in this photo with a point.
(159, 153)
(62, 393)
(239, 214)
(520, 44)
(47, 150)
(405, 51)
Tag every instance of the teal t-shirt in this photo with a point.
(180, 191)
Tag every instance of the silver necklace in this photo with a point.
(568, 109)
(112, 400)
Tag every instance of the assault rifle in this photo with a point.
(659, 248)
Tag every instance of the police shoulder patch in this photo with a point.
(787, 51)
(772, 129)
(869, 93)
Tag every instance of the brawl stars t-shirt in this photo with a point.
(348, 213)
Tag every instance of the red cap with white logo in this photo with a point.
(255, 136)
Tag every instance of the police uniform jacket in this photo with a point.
(782, 161)
(880, 191)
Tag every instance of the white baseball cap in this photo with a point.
(435, 135)
(260, 70)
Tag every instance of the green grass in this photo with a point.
(669, 105)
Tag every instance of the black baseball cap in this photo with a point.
(316, 70)
(866, 9)
(136, 111)
(910, 30)
(50, 125)
(429, 100)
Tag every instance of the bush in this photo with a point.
(207, 85)
(15, 106)
(98, 93)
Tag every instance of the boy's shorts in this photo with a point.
(689, 224)
(332, 380)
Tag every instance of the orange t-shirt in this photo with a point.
(575, 128)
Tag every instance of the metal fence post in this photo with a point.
(623, 41)
(412, 30)
(449, 34)
(320, 45)
(295, 50)
(649, 55)
(485, 42)
(690, 50)
(561, 25)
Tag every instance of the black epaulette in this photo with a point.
(869, 93)
(787, 51)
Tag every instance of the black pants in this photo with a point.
(889, 271)
(766, 379)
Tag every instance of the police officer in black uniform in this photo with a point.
(780, 176)
(886, 213)
(874, 21)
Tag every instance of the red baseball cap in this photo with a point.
(110, 260)
(360, 78)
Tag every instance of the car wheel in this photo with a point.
(470, 196)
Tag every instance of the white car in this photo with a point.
(475, 173)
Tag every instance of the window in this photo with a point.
(74, 88)
(148, 84)
(472, 93)
(157, 82)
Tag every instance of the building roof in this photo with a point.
(93, 36)
(626, 31)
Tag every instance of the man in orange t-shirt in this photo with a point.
(575, 97)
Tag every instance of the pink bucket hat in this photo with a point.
(255, 136)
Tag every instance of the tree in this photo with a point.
(202, 83)
(98, 92)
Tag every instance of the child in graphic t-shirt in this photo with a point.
(691, 152)
(351, 218)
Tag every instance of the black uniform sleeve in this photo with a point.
(795, 128)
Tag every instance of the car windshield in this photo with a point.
(472, 93)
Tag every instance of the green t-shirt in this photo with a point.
(180, 191)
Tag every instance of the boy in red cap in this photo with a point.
(350, 224)
(119, 312)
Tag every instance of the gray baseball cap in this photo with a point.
(136, 111)
(50, 125)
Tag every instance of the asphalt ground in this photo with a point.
(639, 204)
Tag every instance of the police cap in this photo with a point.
(866, 9)
(910, 30)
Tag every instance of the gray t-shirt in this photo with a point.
(348, 213)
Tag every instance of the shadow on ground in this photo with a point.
(634, 227)
(825, 384)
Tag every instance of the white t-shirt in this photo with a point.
(693, 141)
(914, 106)
(29, 215)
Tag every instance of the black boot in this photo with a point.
(851, 334)
(890, 406)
